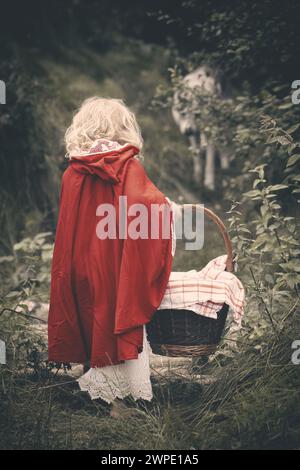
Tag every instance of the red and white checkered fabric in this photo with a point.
(205, 291)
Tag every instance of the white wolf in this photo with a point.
(204, 149)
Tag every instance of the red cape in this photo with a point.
(103, 291)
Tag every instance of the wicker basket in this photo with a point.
(183, 333)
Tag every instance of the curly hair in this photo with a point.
(99, 118)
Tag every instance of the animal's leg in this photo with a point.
(209, 178)
(224, 159)
(197, 167)
(197, 164)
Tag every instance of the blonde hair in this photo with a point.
(99, 118)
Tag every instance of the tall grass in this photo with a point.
(253, 403)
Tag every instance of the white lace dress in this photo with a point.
(118, 381)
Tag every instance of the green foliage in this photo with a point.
(267, 244)
(26, 286)
(252, 42)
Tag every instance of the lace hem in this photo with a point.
(119, 381)
(108, 393)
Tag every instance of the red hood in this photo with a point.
(106, 165)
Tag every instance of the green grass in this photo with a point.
(253, 403)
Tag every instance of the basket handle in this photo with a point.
(222, 229)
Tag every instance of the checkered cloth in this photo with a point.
(205, 291)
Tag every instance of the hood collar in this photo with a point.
(105, 159)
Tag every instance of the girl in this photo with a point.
(106, 286)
